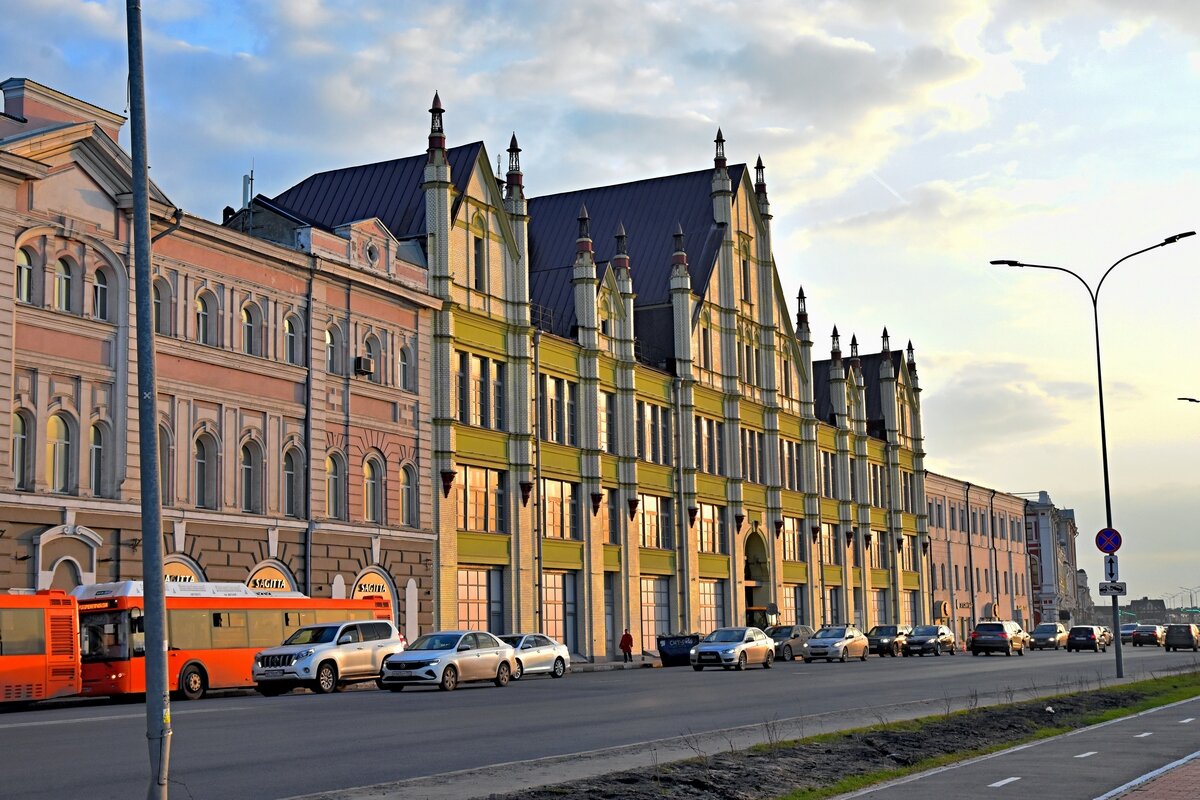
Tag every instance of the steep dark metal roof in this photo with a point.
(870, 364)
(650, 210)
(389, 190)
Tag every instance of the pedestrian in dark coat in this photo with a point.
(627, 646)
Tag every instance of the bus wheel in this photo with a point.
(192, 683)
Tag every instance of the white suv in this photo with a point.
(326, 656)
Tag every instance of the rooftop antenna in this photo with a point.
(247, 195)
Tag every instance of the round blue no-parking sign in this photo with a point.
(1108, 541)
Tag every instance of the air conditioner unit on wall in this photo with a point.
(364, 365)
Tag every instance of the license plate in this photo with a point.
(402, 673)
(272, 672)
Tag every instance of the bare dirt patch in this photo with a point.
(771, 771)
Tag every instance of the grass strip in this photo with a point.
(1145, 695)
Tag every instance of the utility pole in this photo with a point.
(158, 702)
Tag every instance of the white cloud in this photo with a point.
(1122, 34)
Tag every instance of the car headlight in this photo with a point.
(885, 641)
(305, 653)
(728, 651)
(692, 652)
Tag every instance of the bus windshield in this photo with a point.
(104, 636)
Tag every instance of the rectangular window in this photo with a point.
(22, 632)
(641, 430)
(655, 519)
(712, 604)
(498, 394)
(830, 549)
(706, 347)
(712, 528)
(480, 281)
(479, 391)
(462, 381)
(608, 428)
(614, 517)
(482, 499)
(572, 425)
(793, 539)
(828, 483)
(481, 599)
(656, 611)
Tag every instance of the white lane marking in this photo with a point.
(1087, 754)
(1186, 721)
(1149, 776)
(1144, 735)
(1004, 782)
(83, 720)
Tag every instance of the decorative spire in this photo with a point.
(514, 178)
(887, 342)
(837, 343)
(760, 180)
(911, 357)
(678, 237)
(585, 233)
(853, 346)
(719, 159)
(801, 310)
(437, 134)
(621, 248)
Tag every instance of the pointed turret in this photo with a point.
(437, 134)
(853, 346)
(801, 310)
(760, 180)
(836, 350)
(622, 249)
(887, 342)
(515, 178)
(583, 242)
(719, 158)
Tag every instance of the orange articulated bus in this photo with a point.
(39, 647)
(213, 632)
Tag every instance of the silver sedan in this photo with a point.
(447, 658)
(536, 652)
(733, 648)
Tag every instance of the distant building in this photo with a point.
(1147, 610)
(1050, 536)
(979, 565)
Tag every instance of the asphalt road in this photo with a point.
(1095, 762)
(246, 746)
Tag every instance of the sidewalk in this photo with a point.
(639, 662)
(1179, 783)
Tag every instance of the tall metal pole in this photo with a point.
(1094, 296)
(158, 702)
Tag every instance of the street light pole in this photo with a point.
(1094, 296)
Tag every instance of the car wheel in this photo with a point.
(895, 650)
(787, 652)
(807, 660)
(769, 660)
(395, 687)
(559, 669)
(843, 657)
(1021, 652)
(327, 678)
(830, 660)
(697, 667)
(1008, 650)
(937, 649)
(865, 652)
(271, 689)
(192, 683)
(741, 662)
(519, 672)
(449, 679)
(503, 674)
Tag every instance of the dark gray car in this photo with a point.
(999, 636)
(789, 639)
(888, 640)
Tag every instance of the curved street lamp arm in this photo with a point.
(1126, 258)
(1076, 275)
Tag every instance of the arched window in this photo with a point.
(164, 316)
(100, 296)
(292, 471)
(292, 343)
(335, 487)
(374, 354)
(58, 454)
(204, 461)
(333, 350)
(62, 285)
(96, 471)
(404, 368)
(166, 486)
(251, 331)
(24, 277)
(20, 451)
(205, 334)
(251, 478)
(372, 491)
(408, 497)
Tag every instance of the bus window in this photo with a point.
(266, 627)
(22, 632)
(104, 635)
(229, 629)
(339, 615)
(190, 630)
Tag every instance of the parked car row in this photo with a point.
(328, 656)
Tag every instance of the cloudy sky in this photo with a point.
(906, 143)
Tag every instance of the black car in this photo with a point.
(1000, 636)
(789, 639)
(1087, 637)
(932, 639)
(1152, 635)
(1185, 636)
(888, 640)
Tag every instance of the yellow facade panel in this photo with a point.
(479, 444)
(609, 470)
(479, 333)
(612, 558)
(795, 572)
(655, 478)
(656, 562)
(483, 548)
(710, 487)
(559, 461)
(856, 576)
(562, 554)
(708, 402)
(829, 510)
(910, 580)
(792, 502)
(754, 495)
(826, 437)
(713, 565)
(833, 575)
(881, 578)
